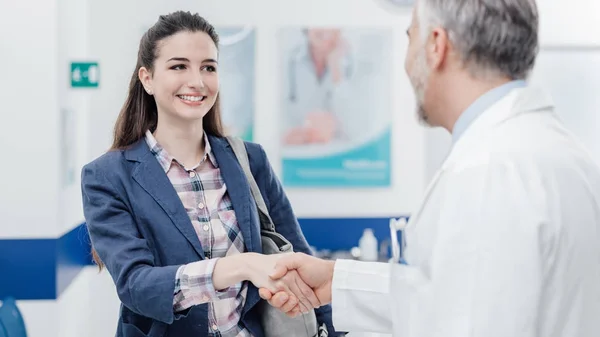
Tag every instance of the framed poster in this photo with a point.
(335, 106)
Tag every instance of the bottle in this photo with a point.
(368, 246)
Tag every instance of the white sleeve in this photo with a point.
(361, 289)
(485, 271)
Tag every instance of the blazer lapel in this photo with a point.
(152, 178)
(239, 192)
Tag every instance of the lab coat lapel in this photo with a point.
(152, 178)
(518, 101)
(416, 215)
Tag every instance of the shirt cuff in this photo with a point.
(194, 285)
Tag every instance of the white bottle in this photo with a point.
(368, 246)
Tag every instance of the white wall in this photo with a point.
(89, 307)
(569, 23)
(73, 140)
(28, 90)
(35, 50)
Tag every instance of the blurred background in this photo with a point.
(346, 144)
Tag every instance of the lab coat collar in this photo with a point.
(481, 105)
(518, 101)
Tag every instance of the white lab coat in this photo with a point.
(505, 244)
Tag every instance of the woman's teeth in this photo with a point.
(192, 98)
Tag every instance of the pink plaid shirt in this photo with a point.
(204, 196)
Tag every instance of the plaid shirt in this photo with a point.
(204, 195)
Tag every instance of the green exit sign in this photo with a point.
(85, 74)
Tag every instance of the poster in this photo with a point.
(236, 77)
(336, 106)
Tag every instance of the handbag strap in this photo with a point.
(239, 149)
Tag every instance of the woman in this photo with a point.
(169, 209)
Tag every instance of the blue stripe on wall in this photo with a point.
(342, 233)
(27, 268)
(41, 269)
(73, 254)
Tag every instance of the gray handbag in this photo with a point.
(274, 322)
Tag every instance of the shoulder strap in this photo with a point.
(239, 149)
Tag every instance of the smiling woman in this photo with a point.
(169, 210)
(169, 58)
(185, 71)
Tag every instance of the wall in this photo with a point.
(38, 210)
(29, 183)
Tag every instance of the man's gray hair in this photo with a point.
(497, 36)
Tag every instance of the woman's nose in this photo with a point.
(196, 81)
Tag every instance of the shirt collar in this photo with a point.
(481, 105)
(165, 159)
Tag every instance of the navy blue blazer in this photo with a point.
(142, 233)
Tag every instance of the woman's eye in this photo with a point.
(178, 67)
(210, 68)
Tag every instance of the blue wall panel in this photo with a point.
(28, 269)
(41, 269)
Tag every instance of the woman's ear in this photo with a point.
(146, 78)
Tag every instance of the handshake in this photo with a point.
(297, 283)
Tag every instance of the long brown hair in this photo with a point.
(139, 113)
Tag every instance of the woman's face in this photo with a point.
(184, 79)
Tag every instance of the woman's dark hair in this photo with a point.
(139, 113)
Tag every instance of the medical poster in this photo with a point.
(335, 106)
(236, 77)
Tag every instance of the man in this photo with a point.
(506, 242)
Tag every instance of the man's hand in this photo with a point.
(296, 295)
(315, 273)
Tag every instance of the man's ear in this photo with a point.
(437, 48)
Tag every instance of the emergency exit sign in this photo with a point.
(85, 74)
